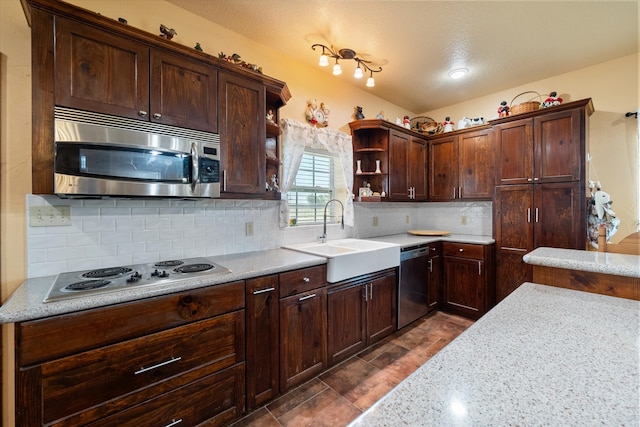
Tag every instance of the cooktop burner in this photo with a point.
(106, 272)
(193, 268)
(83, 283)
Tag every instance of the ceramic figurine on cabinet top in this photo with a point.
(503, 109)
(166, 32)
(359, 115)
(198, 47)
(406, 122)
(380, 115)
(552, 100)
(448, 124)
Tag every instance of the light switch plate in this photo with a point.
(49, 216)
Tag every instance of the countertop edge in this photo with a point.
(591, 261)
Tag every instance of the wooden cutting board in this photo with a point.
(429, 232)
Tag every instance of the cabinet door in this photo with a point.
(263, 350)
(514, 152)
(381, 308)
(303, 337)
(434, 287)
(559, 218)
(418, 168)
(183, 92)
(242, 134)
(398, 161)
(476, 165)
(443, 169)
(345, 318)
(464, 289)
(99, 71)
(559, 146)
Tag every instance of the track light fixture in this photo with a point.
(346, 53)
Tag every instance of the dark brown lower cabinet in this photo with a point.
(263, 343)
(149, 362)
(468, 279)
(361, 311)
(303, 337)
(434, 289)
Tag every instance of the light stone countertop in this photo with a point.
(596, 262)
(407, 240)
(26, 302)
(542, 356)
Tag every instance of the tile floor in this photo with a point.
(338, 396)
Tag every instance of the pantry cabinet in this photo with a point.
(361, 311)
(461, 165)
(540, 195)
(177, 356)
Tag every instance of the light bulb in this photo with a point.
(358, 73)
(371, 82)
(336, 69)
(324, 60)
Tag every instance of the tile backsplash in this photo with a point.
(112, 232)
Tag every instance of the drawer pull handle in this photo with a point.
(263, 291)
(306, 279)
(174, 422)
(166, 362)
(307, 297)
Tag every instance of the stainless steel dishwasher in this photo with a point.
(413, 300)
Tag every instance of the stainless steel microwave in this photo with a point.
(98, 155)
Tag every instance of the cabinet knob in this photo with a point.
(536, 179)
(460, 250)
(157, 115)
(142, 113)
(529, 179)
(306, 279)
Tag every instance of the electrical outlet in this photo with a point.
(407, 219)
(49, 216)
(375, 221)
(463, 220)
(248, 228)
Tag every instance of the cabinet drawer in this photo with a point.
(305, 279)
(164, 360)
(215, 399)
(463, 250)
(59, 336)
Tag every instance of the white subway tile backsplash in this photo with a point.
(115, 232)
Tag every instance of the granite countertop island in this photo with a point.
(542, 356)
(592, 261)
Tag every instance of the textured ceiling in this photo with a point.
(503, 43)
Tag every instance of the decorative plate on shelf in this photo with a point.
(429, 232)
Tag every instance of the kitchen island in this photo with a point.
(543, 356)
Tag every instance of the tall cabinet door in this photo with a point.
(476, 179)
(559, 146)
(513, 228)
(443, 169)
(514, 152)
(242, 134)
(398, 161)
(418, 168)
(183, 92)
(100, 71)
(557, 215)
(263, 350)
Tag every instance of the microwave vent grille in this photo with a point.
(91, 118)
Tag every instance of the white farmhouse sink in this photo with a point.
(347, 258)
